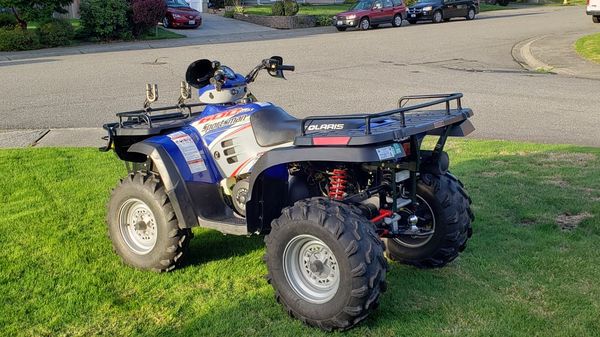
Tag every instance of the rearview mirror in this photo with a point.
(199, 73)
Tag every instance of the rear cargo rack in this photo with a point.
(402, 110)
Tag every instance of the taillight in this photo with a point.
(331, 140)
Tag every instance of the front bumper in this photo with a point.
(419, 16)
(186, 23)
(594, 12)
(345, 22)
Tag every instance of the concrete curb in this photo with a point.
(554, 54)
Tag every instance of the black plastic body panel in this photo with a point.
(416, 123)
(171, 178)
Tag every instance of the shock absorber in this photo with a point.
(337, 184)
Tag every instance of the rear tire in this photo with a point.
(397, 21)
(596, 19)
(142, 225)
(166, 22)
(325, 263)
(364, 24)
(452, 217)
(470, 14)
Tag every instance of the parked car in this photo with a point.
(371, 13)
(180, 14)
(593, 9)
(442, 10)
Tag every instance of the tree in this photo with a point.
(25, 10)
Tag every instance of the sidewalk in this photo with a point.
(201, 37)
(555, 53)
(80, 137)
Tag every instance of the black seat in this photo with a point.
(273, 126)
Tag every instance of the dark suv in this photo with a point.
(442, 10)
(371, 13)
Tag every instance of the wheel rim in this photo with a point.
(364, 24)
(471, 14)
(438, 16)
(426, 221)
(311, 269)
(138, 226)
(398, 20)
(165, 22)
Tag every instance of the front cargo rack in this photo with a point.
(398, 123)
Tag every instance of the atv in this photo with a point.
(331, 194)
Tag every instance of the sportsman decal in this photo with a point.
(226, 118)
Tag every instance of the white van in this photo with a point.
(593, 8)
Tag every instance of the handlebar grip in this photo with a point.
(286, 67)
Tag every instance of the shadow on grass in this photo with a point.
(210, 245)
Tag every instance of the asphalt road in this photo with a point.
(336, 73)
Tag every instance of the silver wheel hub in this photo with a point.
(138, 226)
(398, 21)
(311, 269)
(365, 24)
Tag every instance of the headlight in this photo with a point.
(351, 17)
(427, 9)
(177, 16)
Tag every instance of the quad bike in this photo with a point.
(327, 191)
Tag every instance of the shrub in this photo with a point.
(55, 32)
(323, 20)
(350, 2)
(7, 20)
(104, 19)
(277, 8)
(228, 14)
(290, 7)
(18, 39)
(145, 14)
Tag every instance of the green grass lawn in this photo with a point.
(589, 47)
(522, 274)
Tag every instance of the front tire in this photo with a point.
(142, 225)
(325, 263)
(437, 17)
(166, 22)
(364, 24)
(450, 207)
(596, 19)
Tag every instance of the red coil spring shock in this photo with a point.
(337, 184)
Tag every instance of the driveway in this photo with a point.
(213, 25)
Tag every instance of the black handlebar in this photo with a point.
(286, 67)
